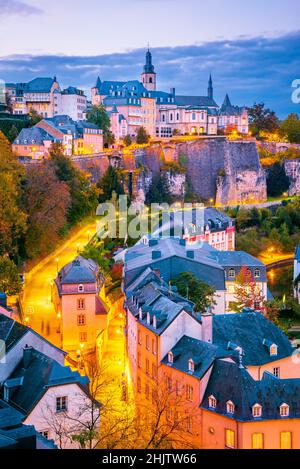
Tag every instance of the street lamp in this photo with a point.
(77, 245)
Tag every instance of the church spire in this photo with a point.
(210, 90)
(148, 67)
(148, 76)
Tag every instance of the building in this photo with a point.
(79, 302)
(220, 269)
(4, 308)
(76, 137)
(296, 275)
(166, 114)
(53, 399)
(44, 95)
(227, 381)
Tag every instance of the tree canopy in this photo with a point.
(290, 128)
(262, 119)
(195, 290)
(277, 180)
(109, 183)
(142, 136)
(9, 277)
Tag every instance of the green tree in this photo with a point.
(12, 218)
(9, 277)
(109, 183)
(142, 136)
(277, 180)
(199, 292)
(159, 190)
(262, 118)
(127, 140)
(99, 116)
(290, 128)
(13, 133)
(247, 293)
(34, 117)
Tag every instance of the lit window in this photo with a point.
(212, 402)
(191, 365)
(284, 410)
(230, 438)
(61, 404)
(147, 391)
(81, 303)
(230, 407)
(81, 320)
(189, 392)
(276, 372)
(139, 338)
(285, 440)
(154, 347)
(154, 371)
(257, 441)
(139, 360)
(257, 410)
(147, 342)
(82, 337)
(231, 273)
(169, 384)
(170, 357)
(80, 288)
(147, 367)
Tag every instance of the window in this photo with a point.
(284, 410)
(154, 347)
(170, 357)
(276, 372)
(285, 440)
(147, 342)
(189, 424)
(191, 365)
(229, 438)
(81, 320)
(139, 338)
(154, 371)
(139, 385)
(177, 388)
(193, 116)
(61, 404)
(212, 402)
(230, 407)
(231, 273)
(45, 434)
(80, 288)
(147, 391)
(189, 392)
(169, 383)
(257, 410)
(82, 337)
(273, 349)
(257, 441)
(81, 303)
(147, 366)
(148, 319)
(139, 360)
(256, 273)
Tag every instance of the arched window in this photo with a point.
(257, 410)
(273, 349)
(150, 80)
(230, 407)
(212, 402)
(191, 365)
(231, 273)
(193, 116)
(170, 357)
(284, 410)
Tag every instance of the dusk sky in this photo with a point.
(251, 48)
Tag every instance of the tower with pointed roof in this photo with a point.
(148, 76)
(210, 90)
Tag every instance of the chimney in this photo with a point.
(156, 254)
(27, 356)
(207, 326)
(172, 91)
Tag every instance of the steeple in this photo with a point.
(98, 83)
(210, 90)
(148, 77)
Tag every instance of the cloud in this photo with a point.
(248, 69)
(16, 7)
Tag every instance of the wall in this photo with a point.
(292, 169)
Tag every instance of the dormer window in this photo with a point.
(273, 350)
(284, 410)
(170, 357)
(140, 314)
(212, 402)
(80, 288)
(154, 322)
(230, 407)
(256, 273)
(231, 273)
(148, 319)
(257, 410)
(191, 365)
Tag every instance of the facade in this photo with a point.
(76, 137)
(296, 275)
(166, 114)
(171, 256)
(44, 95)
(79, 301)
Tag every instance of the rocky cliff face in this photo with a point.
(292, 169)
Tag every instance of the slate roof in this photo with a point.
(202, 353)
(230, 382)
(39, 374)
(66, 125)
(80, 270)
(297, 253)
(228, 109)
(39, 85)
(73, 90)
(33, 136)
(195, 101)
(248, 330)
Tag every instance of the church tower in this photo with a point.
(210, 90)
(148, 77)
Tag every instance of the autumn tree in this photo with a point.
(199, 292)
(9, 277)
(46, 200)
(262, 119)
(12, 218)
(247, 293)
